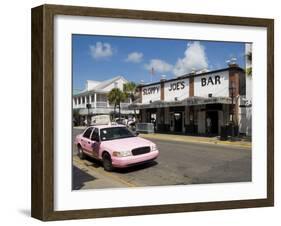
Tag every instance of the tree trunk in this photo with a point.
(114, 113)
(119, 111)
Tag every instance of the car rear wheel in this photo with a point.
(107, 163)
(81, 154)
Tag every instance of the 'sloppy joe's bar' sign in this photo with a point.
(217, 84)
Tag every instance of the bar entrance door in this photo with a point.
(178, 121)
(212, 122)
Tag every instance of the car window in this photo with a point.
(115, 133)
(95, 135)
(88, 132)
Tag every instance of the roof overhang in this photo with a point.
(190, 101)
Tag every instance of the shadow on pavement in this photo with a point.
(136, 167)
(97, 164)
(93, 162)
(79, 177)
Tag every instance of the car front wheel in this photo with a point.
(107, 163)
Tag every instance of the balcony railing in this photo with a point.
(100, 104)
(124, 105)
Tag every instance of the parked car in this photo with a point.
(100, 120)
(121, 121)
(116, 146)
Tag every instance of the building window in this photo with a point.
(83, 100)
(79, 100)
(75, 101)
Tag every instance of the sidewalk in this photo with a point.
(196, 139)
(86, 176)
(79, 127)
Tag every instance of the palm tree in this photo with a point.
(115, 97)
(130, 90)
(249, 59)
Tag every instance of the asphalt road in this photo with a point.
(179, 163)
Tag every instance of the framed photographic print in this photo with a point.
(141, 112)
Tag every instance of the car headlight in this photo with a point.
(122, 153)
(154, 148)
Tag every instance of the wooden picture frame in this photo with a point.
(42, 203)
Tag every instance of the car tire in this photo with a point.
(80, 152)
(107, 163)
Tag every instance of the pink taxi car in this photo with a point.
(115, 146)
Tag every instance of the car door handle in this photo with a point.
(82, 140)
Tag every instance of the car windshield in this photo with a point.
(113, 133)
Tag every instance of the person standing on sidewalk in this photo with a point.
(209, 125)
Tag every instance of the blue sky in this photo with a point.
(103, 57)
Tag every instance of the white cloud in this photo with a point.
(101, 50)
(194, 58)
(134, 57)
(159, 66)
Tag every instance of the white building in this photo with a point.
(93, 99)
(245, 102)
(189, 103)
(249, 78)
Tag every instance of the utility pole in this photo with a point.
(232, 89)
(151, 73)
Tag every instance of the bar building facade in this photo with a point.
(196, 103)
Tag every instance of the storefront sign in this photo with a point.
(211, 81)
(216, 85)
(176, 86)
(176, 89)
(151, 93)
(150, 90)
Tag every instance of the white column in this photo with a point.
(81, 101)
(95, 100)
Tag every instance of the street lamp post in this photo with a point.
(232, 111)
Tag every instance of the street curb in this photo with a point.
(194, 140)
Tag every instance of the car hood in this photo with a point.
(125, 144)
